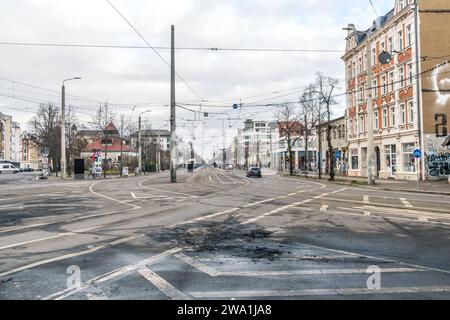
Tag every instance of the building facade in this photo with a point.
(339, 143)
(31, 155)
(10, 141)
(409, 109)
(253, 145)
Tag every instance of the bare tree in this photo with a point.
(290, 128)
(309, 115)
(45, 131)
(324, 87)
(101, 120)
(125, 128)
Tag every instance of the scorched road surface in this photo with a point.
(220, 235)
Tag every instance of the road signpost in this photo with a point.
(417, 153)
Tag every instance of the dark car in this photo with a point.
(254, 172)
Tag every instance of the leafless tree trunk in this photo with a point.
(103, 117)
(45, 131)
(324, 88)
(288, 121)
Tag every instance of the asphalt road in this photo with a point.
(220, 235)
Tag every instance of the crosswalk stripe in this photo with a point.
(406, 203)
(162, 285)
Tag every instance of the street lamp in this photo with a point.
(63, 127)
(139, 141)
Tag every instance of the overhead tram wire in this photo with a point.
(99, 46)
(280, 104)
(157, 53)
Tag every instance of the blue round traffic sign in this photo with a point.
(417, 153)
(235, 106)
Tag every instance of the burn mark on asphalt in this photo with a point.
(227, 237)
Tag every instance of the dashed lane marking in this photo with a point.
(366, 199)
(406, 203)
(324, 207)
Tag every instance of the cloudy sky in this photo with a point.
(128, 77)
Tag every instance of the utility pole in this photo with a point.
(319, 126)
(370, 178)
(173, 148)
(139, 146)
(63, 132)
(63, 128)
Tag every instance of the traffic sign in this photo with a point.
(338, 154)
(235, 106)
(417, 153)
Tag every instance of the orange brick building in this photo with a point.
(410, 101)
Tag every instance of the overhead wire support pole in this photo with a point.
(173, 147)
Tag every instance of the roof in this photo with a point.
(111, 128)
(377, 24)
(115, 147)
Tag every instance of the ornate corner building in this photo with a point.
(409, 96)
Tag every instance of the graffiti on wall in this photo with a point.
(438, 164)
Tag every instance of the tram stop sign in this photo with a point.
(417, 153)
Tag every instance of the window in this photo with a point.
(361, 124)
(401, 73)
(411, 112)
(410, 74)
(374, 89)
(409, 162)
(383, 46)
(360, 63)
(374, 57)
(351, 126)
(400, 41)
(390, 152)
(375, 120)
(385, 118)
(391, 44)
(383, 85)
(393, 117)
(354, 70)
(408, 36)
(391, 81)
(355, 162)
(403, 114)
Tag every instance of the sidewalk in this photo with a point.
(432, 187)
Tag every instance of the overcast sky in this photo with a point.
(139, 77)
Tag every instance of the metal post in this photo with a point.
(370, 153)
(63, 132)
(173, 148)
(420, 168)
(139, 147)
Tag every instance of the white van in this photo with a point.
(8, 168)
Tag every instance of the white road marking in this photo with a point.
(324, 208)
(67, 256)
(292, 194)
(281, 209)
(423, 219)
(366, 199)
(406, 203)
(166, 191)
(317, 292)
(214, 273)
(111, 275)
(64, 221)
(162, 285)
(197, 264)
(91, 189)
(259, 202)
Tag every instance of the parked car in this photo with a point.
(229, 167)
(8, 168)
(27, 170)
(254, 172)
